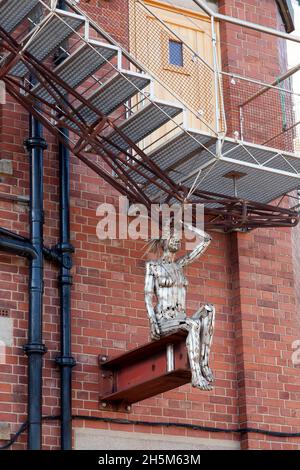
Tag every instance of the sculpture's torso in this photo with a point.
(170, 286)
(166, 281)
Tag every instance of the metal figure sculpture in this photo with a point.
(165, 279)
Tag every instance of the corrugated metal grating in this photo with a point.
(144, 122)
(114, 93)
(49, 38)
(180, 158)
(12, 12)
(79, 66)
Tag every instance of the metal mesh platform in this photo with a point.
(258, 185)
(263, 174)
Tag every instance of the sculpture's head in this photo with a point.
(172, 244)
(169, 241)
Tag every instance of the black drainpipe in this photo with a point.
(35, 349)
(65, 361)
(17, 247)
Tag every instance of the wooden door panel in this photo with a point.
(192, 83)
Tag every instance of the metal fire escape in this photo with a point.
(105, 99)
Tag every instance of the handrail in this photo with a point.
(246, 24)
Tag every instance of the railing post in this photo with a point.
(216, 75)
(217, 87)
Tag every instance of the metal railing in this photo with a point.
(264, 114)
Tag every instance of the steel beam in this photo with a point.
(144, 372)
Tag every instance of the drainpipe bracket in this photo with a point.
(35, 142)
(64, 247)
(51, 254)
(64, 251)
(67, 261)
(65, 361)
(65, 280)
(34, 348)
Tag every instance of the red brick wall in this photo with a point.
(266, 326)
(296, 261)
(112, 15)
(249, 278)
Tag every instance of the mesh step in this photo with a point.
(144, 122)
(13, 12)
(51, 35)
(179, 155)
(80, 65)
(179, 149)
(113, 94)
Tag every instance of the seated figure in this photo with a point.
(166, 281)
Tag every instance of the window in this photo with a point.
(175, 53)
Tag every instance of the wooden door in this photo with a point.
(170, 43)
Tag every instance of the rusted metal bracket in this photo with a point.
(144, 372)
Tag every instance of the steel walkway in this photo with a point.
(112, 103)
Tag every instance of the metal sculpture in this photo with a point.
(165, 279)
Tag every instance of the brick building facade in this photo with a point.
(251, 278)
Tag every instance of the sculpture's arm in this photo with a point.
(200, 248)
(149, 292)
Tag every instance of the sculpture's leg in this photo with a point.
(206, 336)
(194, 352)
